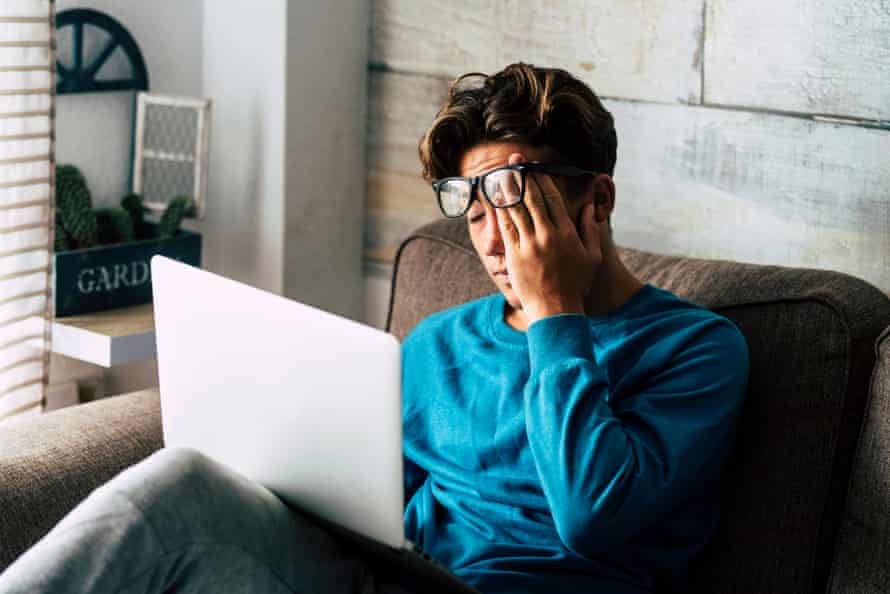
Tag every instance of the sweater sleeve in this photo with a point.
(608, 473)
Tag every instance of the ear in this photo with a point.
(603, 196)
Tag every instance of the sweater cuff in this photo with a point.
(557, 338)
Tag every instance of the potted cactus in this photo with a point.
(102, 255)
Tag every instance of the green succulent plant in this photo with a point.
(62, 242)
(132, 203)
(122, 223)
(77, 224)
(74, 205)
(177, 209)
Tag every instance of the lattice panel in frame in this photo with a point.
(172, 146)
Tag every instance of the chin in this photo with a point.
(506, 290)
(510, 296)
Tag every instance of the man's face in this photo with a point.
(481, 218)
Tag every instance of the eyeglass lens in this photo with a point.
(454, 196)
(503, 187)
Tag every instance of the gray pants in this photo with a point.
(180, 522)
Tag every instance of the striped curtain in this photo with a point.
(27, 70)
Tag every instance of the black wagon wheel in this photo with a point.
(80, 77)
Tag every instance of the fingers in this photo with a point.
(537, 206)
(588, 229)
(522, 220)
(518, 214)
(551, 197)
(509, 231)
(532, 205)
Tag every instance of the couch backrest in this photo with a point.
(811, 336)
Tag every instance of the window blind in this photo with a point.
(27, 78)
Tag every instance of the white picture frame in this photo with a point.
(200, 156)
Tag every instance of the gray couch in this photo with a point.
(806, 493)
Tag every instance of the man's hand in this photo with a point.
(550, 264)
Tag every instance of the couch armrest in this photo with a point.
(860, 562)
(48, 464)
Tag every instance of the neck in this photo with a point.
(612, 286)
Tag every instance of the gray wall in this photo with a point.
(288, 81)
(93, 131)
(756, 131)
(287, 158)
(327, 54)
(244, 71)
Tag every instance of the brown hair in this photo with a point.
(521, 103)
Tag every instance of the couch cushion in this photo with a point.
(810, 335)
(864, 549)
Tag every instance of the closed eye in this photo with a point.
(476, 213)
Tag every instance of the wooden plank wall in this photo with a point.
(805, 56)
(742, 137)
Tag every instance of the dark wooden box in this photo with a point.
(112, 276)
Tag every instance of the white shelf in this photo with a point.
(107, 338)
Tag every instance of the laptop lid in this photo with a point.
(302, 401)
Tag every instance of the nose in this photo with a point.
(492, 242)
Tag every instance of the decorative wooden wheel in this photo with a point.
(81, 78)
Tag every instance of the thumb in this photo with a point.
(588, 229)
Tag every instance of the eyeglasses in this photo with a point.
(502, 186)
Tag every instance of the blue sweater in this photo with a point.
(581, 456)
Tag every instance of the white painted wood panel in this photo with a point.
(754, 187)
(690, 180)
(639, 49)
(799, 55)
(400, 109)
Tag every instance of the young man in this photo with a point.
(565, 434)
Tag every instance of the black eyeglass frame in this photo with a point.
(523, 168)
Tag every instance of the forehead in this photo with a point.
(483, 157)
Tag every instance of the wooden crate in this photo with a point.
(112, 276)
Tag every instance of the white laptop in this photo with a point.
(301, 401)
